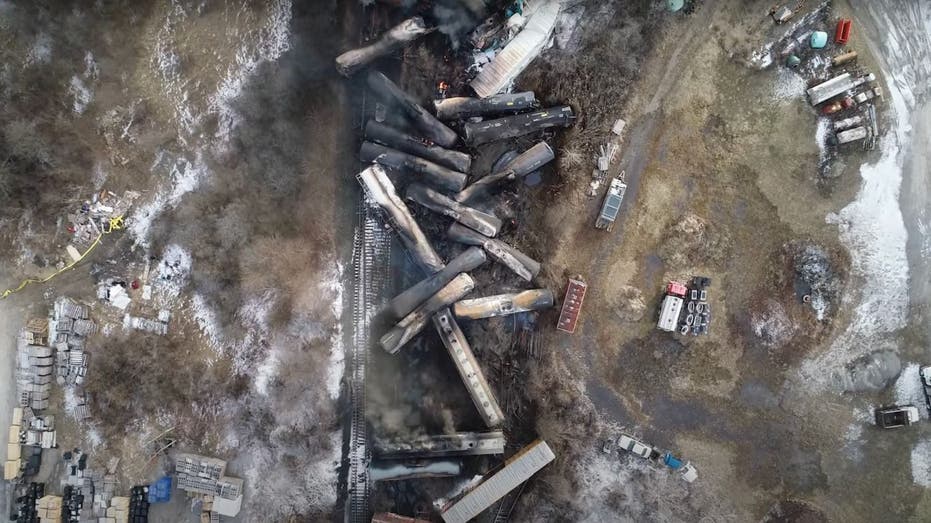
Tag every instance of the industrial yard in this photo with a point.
(466, 260)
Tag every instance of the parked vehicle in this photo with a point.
(637, 448)
(896, 416)
(611, 205)
(925, 373)
(669, 314)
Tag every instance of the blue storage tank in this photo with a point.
(160, 491)
(672, 461)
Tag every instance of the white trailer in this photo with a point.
(835, 86)
(669, 315)
(852, 135)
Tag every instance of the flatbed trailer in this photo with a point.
(612, 205)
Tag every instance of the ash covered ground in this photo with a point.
(230, 121)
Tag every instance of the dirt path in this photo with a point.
(636, 154)
(12, 315)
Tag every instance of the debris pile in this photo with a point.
(411, 155)
(817, 282)
(157, 326)
(838, 86)
(94, 216)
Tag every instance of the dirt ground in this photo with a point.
(723, 173)
(722, 166)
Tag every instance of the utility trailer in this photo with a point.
(612, 205)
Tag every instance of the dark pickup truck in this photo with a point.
(896, 416)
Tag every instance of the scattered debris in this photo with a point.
(519, 52)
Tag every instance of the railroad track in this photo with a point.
(370, 261)
(506, 506)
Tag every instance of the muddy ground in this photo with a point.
(723, 167)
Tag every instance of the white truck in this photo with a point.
(896, 416)
(635, 447)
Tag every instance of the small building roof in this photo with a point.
(227, 507)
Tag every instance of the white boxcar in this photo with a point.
(518, 469)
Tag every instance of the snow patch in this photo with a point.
(173, 271)
(82, 94)
(184, 176)
(91, 69)
(41, 50)
(337, 366)
(873, 229)
(921, 463)
(909, 390)
(265, 372)
(821, 138)
(788, 85)
(206, 320)
(273, 41)
(315, 490)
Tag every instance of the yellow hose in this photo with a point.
(115, 224)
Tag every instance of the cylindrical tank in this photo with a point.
(414, 322)
(525, 163)
(379, 187)
(432, 128)
(391, 137)
(407, 31)
(436, 175)
(478, 133)
(484, 223)
(522, 265)
(503, 304)
(402, 304)
(464, 107)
